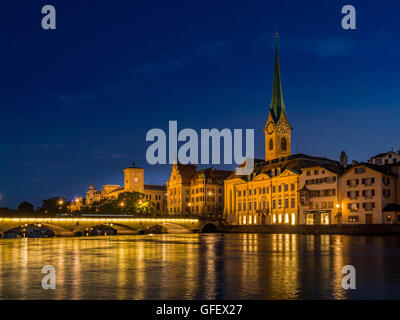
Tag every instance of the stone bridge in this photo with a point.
(72, 226)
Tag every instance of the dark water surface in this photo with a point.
(201, 266)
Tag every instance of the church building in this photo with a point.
(277, 192)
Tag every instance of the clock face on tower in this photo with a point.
(135, 179)
(270, 128)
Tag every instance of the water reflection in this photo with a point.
(201, 266)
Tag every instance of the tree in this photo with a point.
(125, 203)
(25, 207)
(53, 205)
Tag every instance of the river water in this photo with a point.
(201, 266)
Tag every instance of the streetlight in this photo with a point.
(122, 204)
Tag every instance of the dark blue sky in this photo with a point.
(76, 102)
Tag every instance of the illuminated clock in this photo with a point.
(135, 179)
(283, 127)
(270, 128)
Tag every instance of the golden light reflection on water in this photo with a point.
(193, 266)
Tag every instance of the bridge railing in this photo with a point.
(91, 215)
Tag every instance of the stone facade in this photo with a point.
(196, 192)
(365, 190)
(133, 182)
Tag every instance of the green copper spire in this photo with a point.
(277, 106)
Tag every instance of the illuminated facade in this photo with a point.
(319, 195)
(196, 192)
(133, 182)
(368, 194)
(301, 189)
(271, 194)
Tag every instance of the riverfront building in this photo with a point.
(133, 182)
(196, 192)
(287, 188)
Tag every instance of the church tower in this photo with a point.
(134, 179)
(277, 129)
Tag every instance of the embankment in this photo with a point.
(367, 229)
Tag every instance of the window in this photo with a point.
(368, 206)
(359, 170)
(292, 202)
(283, 144)
(255, 205)
(286, 187)
(244, 206)
(250, 192)
(279, 188)
(286, 203)
(353, 206)
(386, 193)
(368, 193)
(271, 144)
(250, 206)
(279, 203)
(386, 181)
(352, 182)
(244, 193)
(273, 189)
(308, 173)
(316, 172)
(273, 204)
(263, 190)
(239, 193)
(255, 191)
(368, 181)
(292, 187)
(353, 218)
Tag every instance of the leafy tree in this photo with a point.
(125, 203)
(53, 205)
(25, 207)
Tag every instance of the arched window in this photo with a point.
(271, 144)
(283, 144)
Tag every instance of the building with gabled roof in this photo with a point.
(196, 192)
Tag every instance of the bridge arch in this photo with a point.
(209, 228)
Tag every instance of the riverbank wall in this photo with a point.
(367, 229)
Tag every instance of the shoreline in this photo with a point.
(365, 229)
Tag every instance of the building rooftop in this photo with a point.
(295, 162)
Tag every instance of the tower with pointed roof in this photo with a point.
(277, 129)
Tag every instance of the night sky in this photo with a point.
(76, 102)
